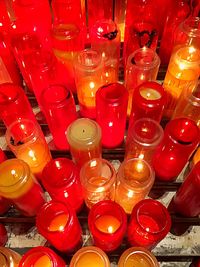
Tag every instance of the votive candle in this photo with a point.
(9, 257)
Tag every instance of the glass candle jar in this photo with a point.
(61, 179)
(119, 16)
(27, 142)
(84, 138)
(4, 75)
(90, 256)
(186, 200)
(59, 108)
(14, 104)
(135, 178)
(18, 184)
(138, 256)
(150, 222)
(9, 257)
(196, 157)
(98, 178)
(2, 156)
(4, 203)
(181, 138)
(58, 223)
(41, 257)
(107, 223)
(111, 104)
(148, 101)
(143, 138)
(105, 38)
(89, 69)
(142, 66)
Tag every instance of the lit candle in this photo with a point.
(58, 223)
(90, 256)
(9, 257)
(43, 261)
(107, 222)
(150, 94)
(183, 72)
(27, 142)
(134, 180)
(84, 137)
(18, 184)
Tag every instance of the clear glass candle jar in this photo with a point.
(89, 69)
(186, 200)
(60, 111)
(107, 223)
(19, 185)
(58, 223)
(138, 256)
(84, 138)
(9, 257)
(90, 256)
(143, 138)
(142, 66)
(181, 138)
(14, 104)
(98, 178)
(41, 257)
(61, 179)
(111, 104)
(148, 101)
(135, 178)
(27, 142)
(105, 38)
(150, 222)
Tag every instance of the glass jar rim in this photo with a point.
(187, 26)
(97, 30)
(119, 89)
(81, 60)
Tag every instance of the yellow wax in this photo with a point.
(138, 260)
(90, 259)
(43, 261)
(107, 224)
(196, 157)
(137, 171)
(58, 223)
(150, 94)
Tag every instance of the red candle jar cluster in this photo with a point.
(181, 138)
(186, 200)
(111, 105)
(41, 257)
(60, 110)
(150, 222)
(58, 223)
(107, 223)
(148, 101)
(61, 179)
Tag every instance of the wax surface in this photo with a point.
(150, 94)
(138, 260)
(148, 223)
(58, 223)
(90, 259)
(107, 224)
(43, 261)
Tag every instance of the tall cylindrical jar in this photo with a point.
(89, 69)
(9, 257)
(111, 104)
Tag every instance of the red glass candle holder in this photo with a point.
(111, 105)
(4, 205)
(150, 222)
(61, 179)
(186, 200)
(2, 156)
(19, 185)
(107, 223)
(58, 223)
(148, 101)
(41, 257)
(142, 27)
(3, 236)
(181, 138)
(60, 110)
(14, 104)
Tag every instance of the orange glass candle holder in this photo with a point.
(61, 179)
(196, 157)
(143, 138)
(135, 178)
(27, 142)
(98, 178)
(150, 222)
(9, 257)
(58, 223)
(19, 185)
(107, 223)
(142, 66)
(89, 76)
(41, 257)
(84, 138)
(138, 256)
(90, 256)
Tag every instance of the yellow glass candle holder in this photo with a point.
(9, 257)
(27, 142)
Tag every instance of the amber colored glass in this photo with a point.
(9, 257)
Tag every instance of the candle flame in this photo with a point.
(191, 49)
(32, 155)
(110, 229)
(92, 85)
(130, 194)
(139, 166)
(141, 156)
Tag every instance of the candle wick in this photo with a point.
(83, 130)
